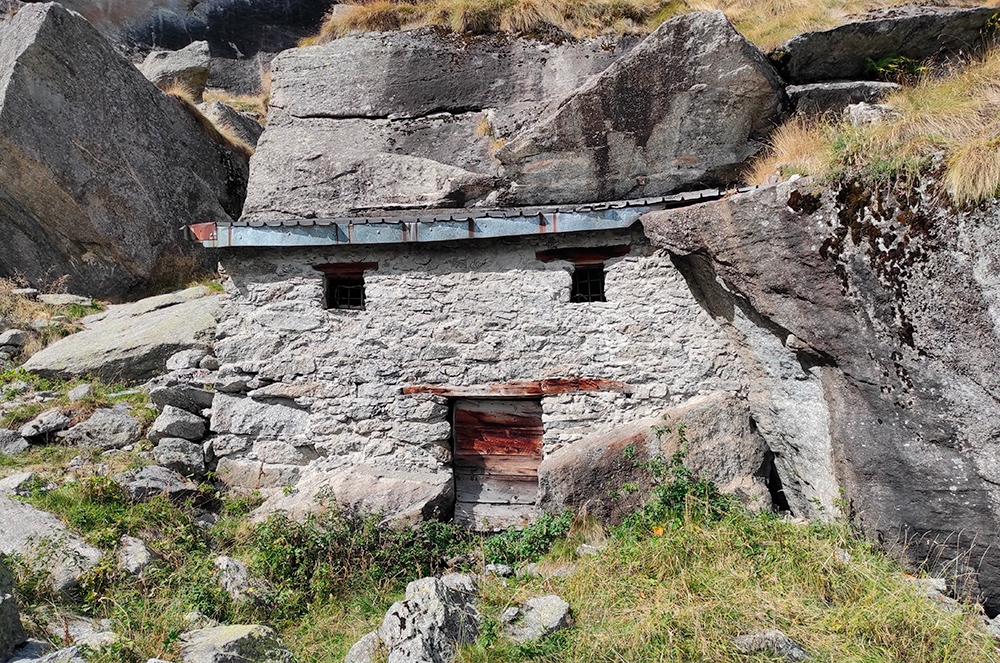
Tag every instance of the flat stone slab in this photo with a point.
(132, 342)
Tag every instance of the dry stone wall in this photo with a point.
(307, 391)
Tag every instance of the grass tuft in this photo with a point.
(952, 115)
(767, 23)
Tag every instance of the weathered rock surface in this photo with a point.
(47, 423)
(132, 341)
(183, 396)
(98, 169)
(233, 644)
(151, 481)
(42, 539)
(537, 618)
(11, 632)
(107, 428)
(868, 322)
(771, 642)
(833, 97)
(240, 125)
(687, 105)
(423, 138)
(232, 29)
(400, 496)
(657, 117)
(133, 555)
(175, 422)
(14, 337)
(82, 631)
(16, 484)
(722, 447)
(364, 650)
(67, 655)
(437, 615)
(915, 32)
(234, 576)
(12, 443)
(181, 456)
(186, 68)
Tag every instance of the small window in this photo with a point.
(344, 284)
(588, 283)
(345, 292)
(588, 268)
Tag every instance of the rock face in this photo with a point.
(671, 113)
(107, 428)
(868, 325)
(437, 615)
(233, 644)
(401, 497)
(151, 481)
(11, 443)
(232, 28)
(98, 169)
(722, 446)
(241, 126)
(11, 632)
(458, 122)
(912, 31)
(187, 68)
(819, 98)
(175, 422)
(132, 341)
(42, 539)
(537, 618)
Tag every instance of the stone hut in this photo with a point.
(428, 366)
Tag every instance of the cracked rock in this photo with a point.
(538, 617)
(437, 615)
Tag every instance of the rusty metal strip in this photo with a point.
(445, 225)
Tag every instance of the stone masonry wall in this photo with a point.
(308, 386)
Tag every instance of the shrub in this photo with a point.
(527, 545)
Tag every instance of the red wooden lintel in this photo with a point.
(584, 255)
(346, 268)
(521, 388)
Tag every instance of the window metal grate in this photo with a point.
(345, 292)
(588, 283)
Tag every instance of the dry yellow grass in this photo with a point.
(221, 133)
(953, 114)
(767, 23)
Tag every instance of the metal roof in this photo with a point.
(444, 224)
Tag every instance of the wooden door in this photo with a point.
(498, 447)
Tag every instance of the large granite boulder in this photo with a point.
(99, 170)
(686, 107)
(912, 31)
(458, 122)
(721, 446)
(43, 540)
(868, 323)
(133, 341)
